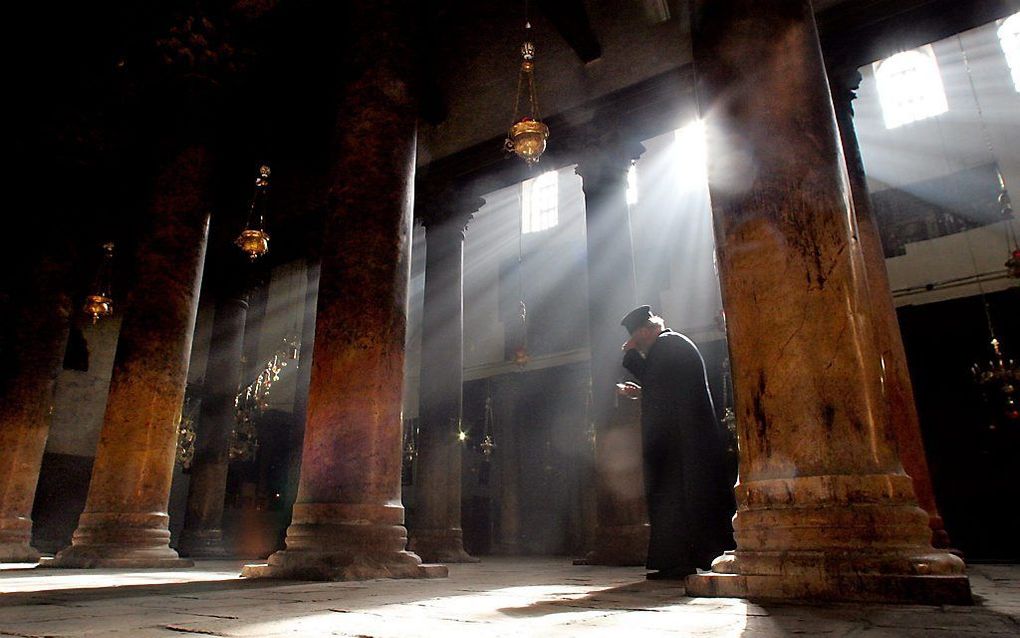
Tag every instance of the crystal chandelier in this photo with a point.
(254, 240)
(527, 135)
(100, 303)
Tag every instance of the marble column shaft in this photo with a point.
(621, 536)
(437, 535)
(899, 390)
(348, 521)
(125, 522)
(825, 510)
(39, 319)
(203, 527)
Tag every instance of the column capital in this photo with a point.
(605, 156)
(844, 82)
(446, 207)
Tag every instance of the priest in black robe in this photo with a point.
(687, 485)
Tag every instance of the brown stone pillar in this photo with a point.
(125, 519)
(437, 535)
(202, 536)
(38, 310)
(825, 510)
(621, 534)
(348, 522)
(899, 391)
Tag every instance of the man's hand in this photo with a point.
(628, 345)
(629, 390)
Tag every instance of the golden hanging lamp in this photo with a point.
(254, 240)
(99, 304)
(527, 136)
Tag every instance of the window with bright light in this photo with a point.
(692, 156)
(540, 203)
(1009, 38)
(910, 87)
(632, 192)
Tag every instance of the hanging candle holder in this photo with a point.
(527, 135)
(521, 355)
(186, 435)
(254, 240)
(99, 304)
(1000, 377)
(410, 435)
(488, 444)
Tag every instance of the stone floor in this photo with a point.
(497, 597)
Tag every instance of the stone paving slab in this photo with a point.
(500, 597)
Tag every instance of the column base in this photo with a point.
(440, 546)
(838, 537)
(207, 543)
(297, 565)
(16, 541)
(858, 587)
(120, 541)
(905, 576)
(18, 553)
(334, 542)
(621, 546)
(939, 536)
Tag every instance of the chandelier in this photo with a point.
(100, 303)
(254, 240)
(253, 400)
(527, 135)
(410, 436)
(186, 435)
(1000, 378)
(488, 444)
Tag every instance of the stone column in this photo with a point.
(437, 534)
(508, 464)
(621, 534)
(348, 522)
(202, 536)
(125, 519)
(899, 391)
(824, 508)
(38, 310)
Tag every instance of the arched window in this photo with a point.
(1009, 38)
(540, 203)
(910, 87)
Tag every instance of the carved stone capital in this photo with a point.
(605, 157)
(844, 82)
(446, 207)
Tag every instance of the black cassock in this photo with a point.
(687, 485)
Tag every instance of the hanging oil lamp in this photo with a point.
(1002, 376)
(254, 240)
(410, 448)
(488, 444)
(527, 135)
(521, 356)
(186, 435)
(100, 303)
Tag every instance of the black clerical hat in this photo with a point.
(636, 318)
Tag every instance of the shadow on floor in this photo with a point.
(642, 595)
